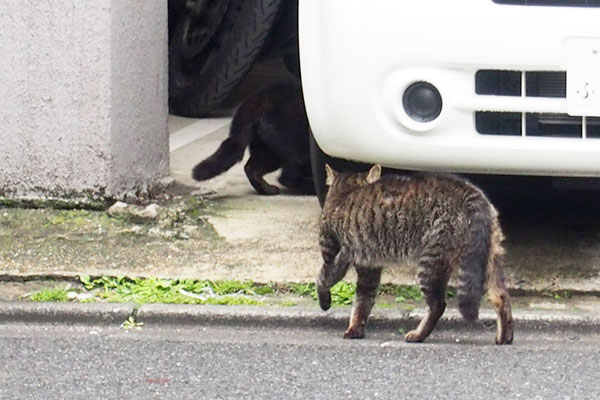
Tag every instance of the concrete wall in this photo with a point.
(83, 96)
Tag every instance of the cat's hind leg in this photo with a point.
(366, 291)
(297, 178)
(262, 161)
(433, 275)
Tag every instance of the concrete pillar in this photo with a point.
(83, 97)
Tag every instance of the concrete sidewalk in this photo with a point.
(244, 236)
(277, 236)
(272, 237)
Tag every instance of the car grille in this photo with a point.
(538, 84)
(555, 3)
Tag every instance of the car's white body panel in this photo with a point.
(358, 56)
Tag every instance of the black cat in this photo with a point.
(273, 123)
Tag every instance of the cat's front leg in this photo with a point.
(331, 273)
(366, 291)
(324, 296)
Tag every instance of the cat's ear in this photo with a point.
(330, 175)
(374, 173)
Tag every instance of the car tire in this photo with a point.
(198, 85)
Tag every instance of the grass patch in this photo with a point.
(188, 291)
(155, 290)
(302, 289)
(47, 295)
(217, 292)
(342, 293)
(408, 293)
(180, 291)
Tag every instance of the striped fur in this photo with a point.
(440, 222)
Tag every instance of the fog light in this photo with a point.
(422, 102)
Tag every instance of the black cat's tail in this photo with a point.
(230, 152)
(481, 255)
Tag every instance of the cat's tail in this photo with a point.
(482, 263)
(230, 152)
(481, 257)
(497, 291)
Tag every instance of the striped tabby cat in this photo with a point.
(442, 223)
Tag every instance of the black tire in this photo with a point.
(199, 85)
(318, 159)
(317, 164)
(176, 8)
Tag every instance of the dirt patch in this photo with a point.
(70, 242)
(245, 237)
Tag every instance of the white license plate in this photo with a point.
(583, 77)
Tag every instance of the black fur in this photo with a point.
(273, 124)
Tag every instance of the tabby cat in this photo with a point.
(274, 124)
(441, 222)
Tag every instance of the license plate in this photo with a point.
(583, 77)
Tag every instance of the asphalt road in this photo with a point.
(55, 362)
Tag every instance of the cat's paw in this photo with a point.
(324, 299)
(269, 190)
(505, 337)
(354, 333)
(414, 337)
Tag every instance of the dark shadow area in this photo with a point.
(552, 225)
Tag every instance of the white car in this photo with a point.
(475, 86)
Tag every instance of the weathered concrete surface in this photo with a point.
(551, 244)
(83, 97)
(553, 240)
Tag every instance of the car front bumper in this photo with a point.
(358, 57)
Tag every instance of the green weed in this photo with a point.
(342, 293)
(47, 295)
(407, 293)
(302, 289)
(131, 323)
(179, 291)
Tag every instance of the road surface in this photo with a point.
(88, 362)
